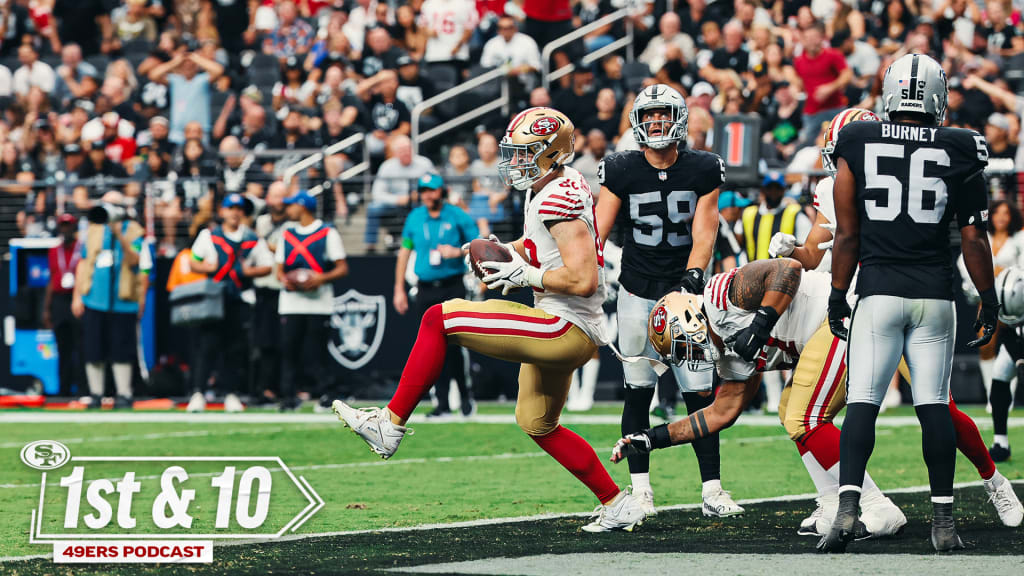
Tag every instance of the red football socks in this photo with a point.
(969, 441)
(823, 443)
(424, 365)
(573, 453)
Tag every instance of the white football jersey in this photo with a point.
(787, 339)
(449, 20)
(825, 206)
(565, 198)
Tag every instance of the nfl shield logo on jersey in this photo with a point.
(662, 175)
(358, 328)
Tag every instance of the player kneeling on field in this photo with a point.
(766, 315)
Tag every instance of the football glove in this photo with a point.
(749, 341)
(781, 244)
(831, 228)
(988, 316)
(514, 274)
(838, 311)
(692, 282)
(632, 445)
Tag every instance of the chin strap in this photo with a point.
(658, 366)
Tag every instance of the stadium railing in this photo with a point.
(548, 76)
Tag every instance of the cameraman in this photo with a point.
(109, 295)
(435, 231)
(233, 255)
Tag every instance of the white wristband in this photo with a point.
(534, 276)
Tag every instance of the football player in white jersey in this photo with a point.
(559, 258)
(801, 410)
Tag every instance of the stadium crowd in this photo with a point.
(180, 104)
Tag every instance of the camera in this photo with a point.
(106, 213)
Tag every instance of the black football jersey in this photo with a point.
(656, 212)
(910, 186)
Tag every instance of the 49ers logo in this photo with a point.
(870, 116)
(545, 126)
(659, 319)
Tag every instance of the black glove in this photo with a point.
(838, 310)
(988, 316)
(692, 282)
(751, 339)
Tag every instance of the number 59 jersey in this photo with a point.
(565, 198)
(656, 212)
(911, 181)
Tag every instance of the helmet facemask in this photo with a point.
(677, 328)
(672, 129)
(693, 349)
(518, 167)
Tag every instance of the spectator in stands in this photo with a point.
(997, 134)
(70, 73)
(824, 74)
(134, 22)
(57, 316)
(449, 25)
(1004, 39)
(548, 20)
(782, 125)
(381, 54)
(580, 96)
(360, 19)
(234, 25)
(413, 86)
(435, 231)
(392, 188)
(160, 143)
(292, 37)
(411, 36)
(540, 96)
(669, 35)
(6, 84)
(607, 118)
(593, 154)
(109, 295)
(388, 116)
(307, 243)
(96, 166)
(514, 49)
(487, 204)
(231, 255)
(967, 107)
(459, 177)
(861, 58)
(238, 172)
(189, 76)
(86, 23)
(266, 323)
(293, 89)
(731, 59)
(33, 72)
(250, 125)
(610, 76)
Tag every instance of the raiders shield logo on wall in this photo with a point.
(358, 328)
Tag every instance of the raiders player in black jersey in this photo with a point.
(665, 200)
(899, 185)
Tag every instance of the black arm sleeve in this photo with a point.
(972, 202)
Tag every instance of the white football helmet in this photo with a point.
(1010, 290)
(915, 83)
(671, 131)
(832, 134)
(678, 330)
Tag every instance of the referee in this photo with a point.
(435, 231)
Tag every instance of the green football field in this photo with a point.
(447, 473)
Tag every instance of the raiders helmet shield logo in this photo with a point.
(545, 126)
(659, 319)
(358, 328)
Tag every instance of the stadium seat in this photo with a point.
(217, 100)
(264, 70)
(445, 76)
(100, 61)
(634, 73)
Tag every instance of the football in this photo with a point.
(299, 277)
(481, 250)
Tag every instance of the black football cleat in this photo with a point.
(844, 527)
(944, 536)
(999, 453)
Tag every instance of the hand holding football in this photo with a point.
(481, 250)
(299, 278)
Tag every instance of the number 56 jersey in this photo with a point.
(656, 213)
(911, 180)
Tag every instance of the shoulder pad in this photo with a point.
(561, 199)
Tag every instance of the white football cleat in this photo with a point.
(197, 403)
(819, 523)
(623, 513)
(720, 504)
(374, 426)
(1006, 502)
(646, 498)
(880, 516)
(232, 403)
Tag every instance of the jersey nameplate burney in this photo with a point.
(904, 132)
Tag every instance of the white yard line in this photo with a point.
(160, 436)
(67, 417)
(517, 519)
